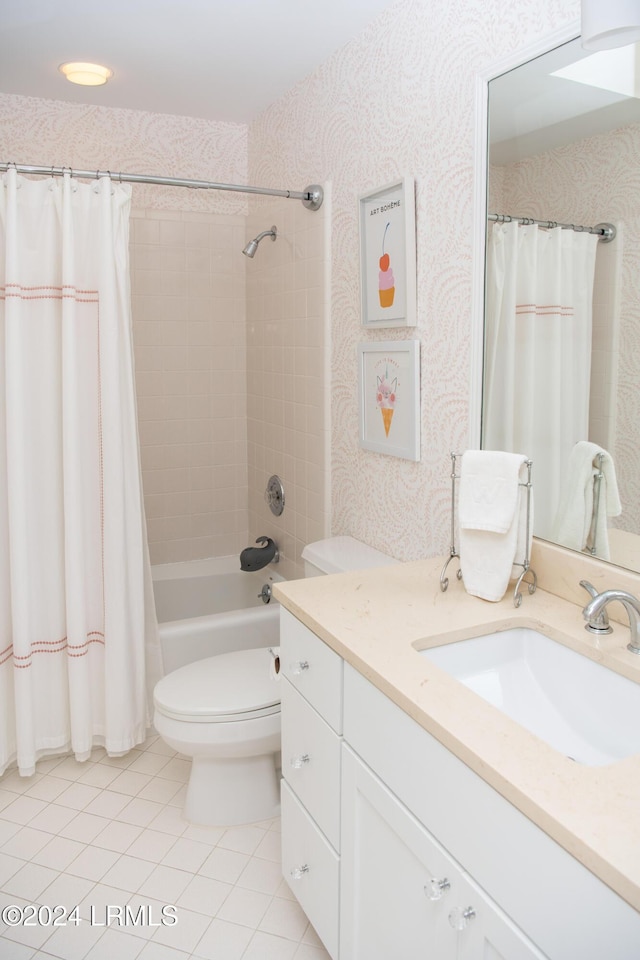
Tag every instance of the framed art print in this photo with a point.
(389, 392)
(388, 255)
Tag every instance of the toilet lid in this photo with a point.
(231, 686)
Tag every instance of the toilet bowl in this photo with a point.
(224, 713)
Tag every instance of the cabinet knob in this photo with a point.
(299, 667)
(459, 918)
(436, 888)
(298, 872)
(298, 762)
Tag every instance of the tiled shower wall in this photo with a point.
(188, 300)
(287, 357)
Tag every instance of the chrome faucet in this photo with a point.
(595, 614)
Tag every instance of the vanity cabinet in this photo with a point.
(311, 705)
(425, 860)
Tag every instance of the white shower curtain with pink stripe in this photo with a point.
(76, 603)
(538, 351)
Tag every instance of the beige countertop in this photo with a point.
(378, 619)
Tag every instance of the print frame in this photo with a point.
(389, 395)
(387, 222)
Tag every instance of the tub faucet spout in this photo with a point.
(255, 558)
(631, 604)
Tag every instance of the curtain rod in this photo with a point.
(605, 231)
(312, 196)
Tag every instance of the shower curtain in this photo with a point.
(538, 351)
(76, 602)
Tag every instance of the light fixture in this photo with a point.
(610, 24)
(87, 74)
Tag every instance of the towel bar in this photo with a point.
(453, 553)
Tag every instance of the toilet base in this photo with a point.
(227, 791)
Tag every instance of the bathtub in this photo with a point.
(207, 607)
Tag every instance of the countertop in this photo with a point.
(378, 619)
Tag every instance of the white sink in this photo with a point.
(580, 708)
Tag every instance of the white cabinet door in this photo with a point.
(402, 894)
(389, 867)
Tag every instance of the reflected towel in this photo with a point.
(580, 523)
(492, 507)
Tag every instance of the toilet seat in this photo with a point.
(227, 688)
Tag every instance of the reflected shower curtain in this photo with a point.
(538, 351)
(75, 593)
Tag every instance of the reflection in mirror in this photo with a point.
(562, 310)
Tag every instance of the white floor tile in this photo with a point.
(244, 906)
(107, 804)
(115, 944)
(265, 876)
(99, 775)
(23, 809)
(153, 845)
(48, 788)
(187, 855)
(165, 883)
(8, 867)
(149, 763)
(158, 951)
(129, 782)
(204, 895)
(84, 827)
(92, 863)
(242, 839)
(72, 942)
(141, 812)
(284, 918)
(59, 852)
(117, 836)
(53, 818)
(128, 873)
(306, 952)
(19, 951)
(76, 832)
(162, 791)
(264, 946)
(78, 796)
(66, 890)
(226, 865)
(186, 933)
(223, 941)
(26, 843)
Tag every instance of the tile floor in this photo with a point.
(109, 833)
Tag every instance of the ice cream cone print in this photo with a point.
(387, 417)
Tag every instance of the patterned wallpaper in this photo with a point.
(597, 179)
(43, 132)
(400, 99)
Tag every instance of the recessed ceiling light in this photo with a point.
(88, 74)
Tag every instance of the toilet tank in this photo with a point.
(338, 554)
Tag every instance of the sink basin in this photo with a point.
(579, 707)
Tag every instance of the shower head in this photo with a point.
(252, 246)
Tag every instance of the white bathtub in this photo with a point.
(207, 607)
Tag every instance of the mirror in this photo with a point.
(561, 375)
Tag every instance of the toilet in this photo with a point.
(224, 713)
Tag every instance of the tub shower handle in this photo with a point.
(298, 762)
(299, 667)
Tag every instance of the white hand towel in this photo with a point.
(577, 524)
(492, 507)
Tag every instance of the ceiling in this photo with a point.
(216, 59)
